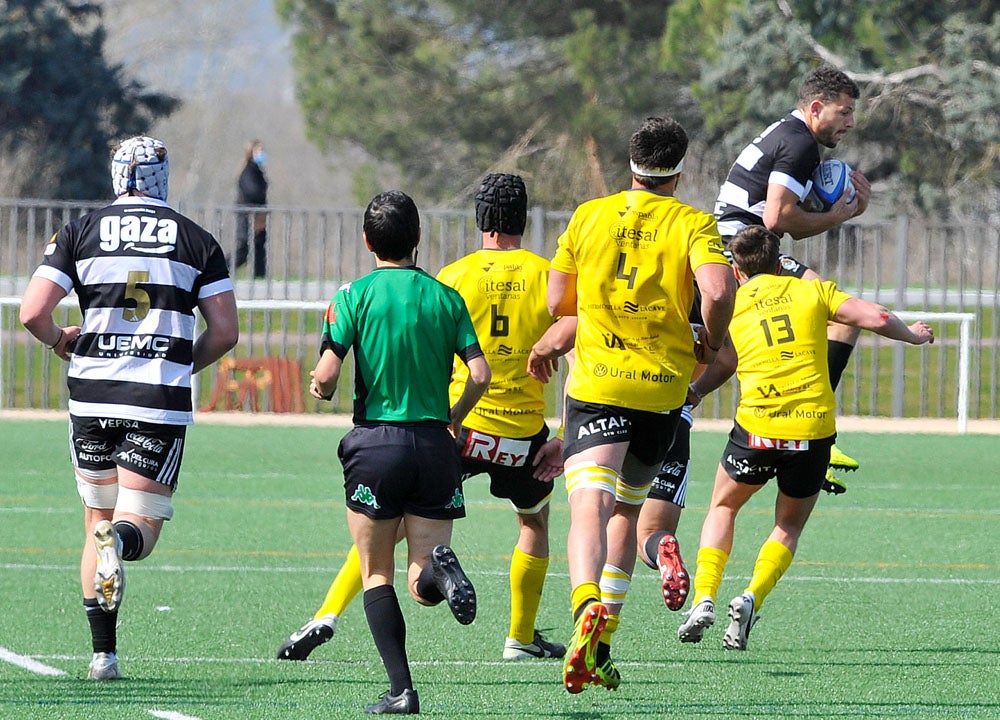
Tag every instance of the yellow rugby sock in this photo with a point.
(584, 594)
(527, 576)
(344, 587)
(708, 575)
(772, 562)
(610, 628)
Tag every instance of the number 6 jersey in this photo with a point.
(139, 269)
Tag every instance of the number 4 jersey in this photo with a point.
(779, 330)
(139, 269)
(634, 254)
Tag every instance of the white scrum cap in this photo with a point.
(140, 163)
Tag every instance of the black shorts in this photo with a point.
(509, 463)
(670, 483)
(148, 449)
(393, 470)
(800, 465)
(648, 434)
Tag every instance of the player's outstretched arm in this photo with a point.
(877, 318)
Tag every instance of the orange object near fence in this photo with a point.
(270, 384)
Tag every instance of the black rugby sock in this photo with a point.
(651, 549)
(389, 632)
(427, 588)
(103, 626)
(838, 353)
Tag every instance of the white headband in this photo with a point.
(656, 172)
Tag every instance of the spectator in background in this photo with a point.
(252, 190)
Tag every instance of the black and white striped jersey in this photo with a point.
(139, 269)
(786, 153)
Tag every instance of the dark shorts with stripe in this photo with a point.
(148, 449)
(800, 473)
(647, 433)
(511, 478)
(394, 470)
(670, 483)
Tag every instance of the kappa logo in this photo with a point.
(364, 495)
(457, 500)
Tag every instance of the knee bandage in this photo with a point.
(615, 583)
(629, 495)
(145, 504)
(99, 497)
(590, 475)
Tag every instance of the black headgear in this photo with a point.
(502, 204)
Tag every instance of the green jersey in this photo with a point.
(405, 328)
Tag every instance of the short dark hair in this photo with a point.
(827, 83)
(660, 142)
(392, 225)
(755, 250)
(502, 204)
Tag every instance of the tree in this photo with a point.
(449, 89)
(930, 78)
(61, 105)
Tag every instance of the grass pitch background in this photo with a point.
(888, 611)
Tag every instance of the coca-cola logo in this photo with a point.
(145, 442)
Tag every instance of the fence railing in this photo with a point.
(948, 272)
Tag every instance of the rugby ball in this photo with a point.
(831, 179)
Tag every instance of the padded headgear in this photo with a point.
(502, 204)
(140, 163)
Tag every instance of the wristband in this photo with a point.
(713, 349)
(561, 432)
(58, 339)
(694, 392)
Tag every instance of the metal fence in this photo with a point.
(952, 271)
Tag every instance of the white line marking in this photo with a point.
(639, 578)
(28, 663)
(170, 715)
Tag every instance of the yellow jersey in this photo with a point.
(779, 331)
(505, 293)
(634, 254)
